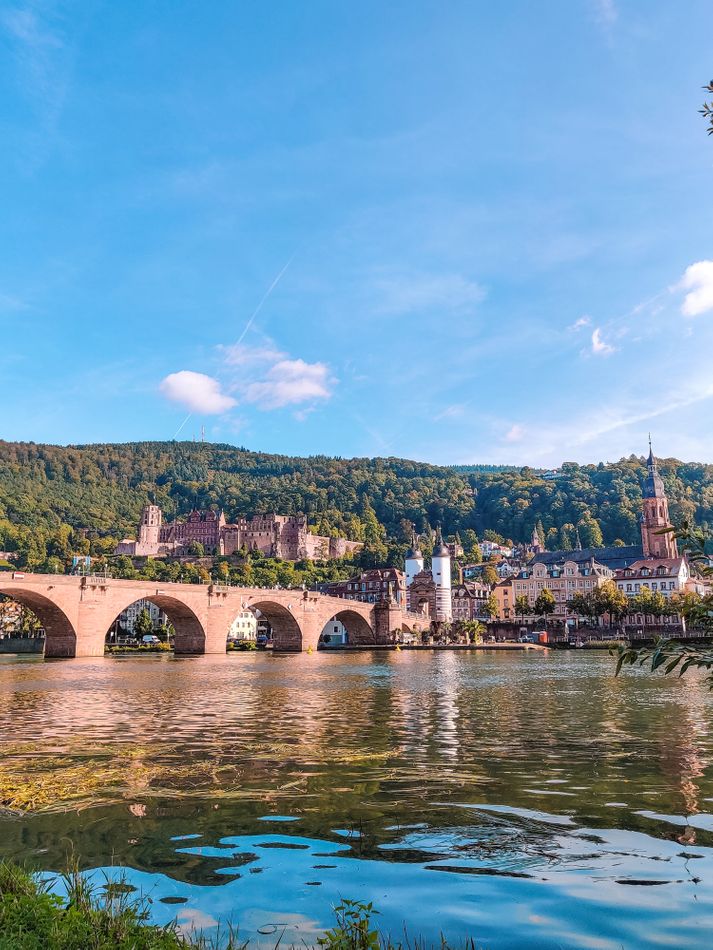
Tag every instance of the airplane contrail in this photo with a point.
(267, 293)
(182, 424)
(250, 322)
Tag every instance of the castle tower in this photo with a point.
(654, 515)
(413, 563)
(150, 526)
(441, 571)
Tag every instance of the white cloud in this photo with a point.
(698, 280)
(197, 392)
(606, 12)
(291, 382)
(407, 294)
(241, 354)
(515, 433)
(599, 347)
(579, 324)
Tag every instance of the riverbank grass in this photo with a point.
(31, 918)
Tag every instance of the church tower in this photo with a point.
(654, 516)
(535, 542)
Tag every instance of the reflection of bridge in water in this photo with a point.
(77, 612)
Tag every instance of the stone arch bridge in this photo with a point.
(76, 612)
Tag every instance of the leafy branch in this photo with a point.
(670, 655)
(707, 110)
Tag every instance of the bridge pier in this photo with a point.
(388, 616)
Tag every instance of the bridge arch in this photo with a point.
(60, 635)
(359, 630)
(286, 631)
(189, 634)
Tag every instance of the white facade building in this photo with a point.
(244, 627)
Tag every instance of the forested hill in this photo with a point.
(55, 499)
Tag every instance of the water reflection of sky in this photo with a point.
(525, 801)
(508, 878)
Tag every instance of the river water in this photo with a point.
(526, 800)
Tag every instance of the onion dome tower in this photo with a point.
(413, 564)
(441, 571)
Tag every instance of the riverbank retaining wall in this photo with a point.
(22, 645)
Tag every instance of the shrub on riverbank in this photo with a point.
(139, 648)
(33, 919)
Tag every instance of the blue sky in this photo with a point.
(463, 232)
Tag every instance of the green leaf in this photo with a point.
(672, 665)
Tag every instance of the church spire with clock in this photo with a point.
(654, 515)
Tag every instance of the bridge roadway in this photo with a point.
(76, 612)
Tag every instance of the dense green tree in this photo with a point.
(522, 607)
(143, 625)
(590, 533)
(164, 631)
(489, 575)
(651, 603)
(696, 610)
(490, 535)
(545, 604)
(581, 605)
(471, 551)
(490, 607)
(612, 601)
